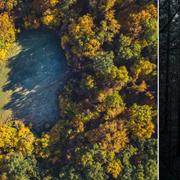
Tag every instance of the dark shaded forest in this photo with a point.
(169, 89)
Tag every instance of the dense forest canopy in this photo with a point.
(107, 125)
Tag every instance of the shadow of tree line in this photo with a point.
(36, 77)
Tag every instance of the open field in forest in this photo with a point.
(32, 78)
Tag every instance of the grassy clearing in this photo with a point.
(5, 96)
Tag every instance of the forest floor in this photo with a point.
(32, 78)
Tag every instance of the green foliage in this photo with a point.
(18, 151)
(140, 121)
(99, 164)
(1, 43)
(150, 32)
(69, 173)
(114, 105)
(129, 48)
(114, 101)
(19, 167)
(139, 173)
(109, 27)
(66, 4)
(103, 63)
(140, 162)
(95, 171)
(151, 170)
(148, 167)
(126, 158)
(106, 128)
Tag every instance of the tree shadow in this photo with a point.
(36, 77)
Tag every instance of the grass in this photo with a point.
(5, 96)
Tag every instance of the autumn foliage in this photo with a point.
(107, 124)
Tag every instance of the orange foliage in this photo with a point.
(111, 136)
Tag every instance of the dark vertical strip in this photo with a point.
(178, 60)
(167, 70)
(167, 102)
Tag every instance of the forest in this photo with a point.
(107, 126)
(169, 89)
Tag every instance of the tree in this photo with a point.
(19, 167)
(100, 164)
(114, 105)
(107, 109)
(8, 5)
(109, 27)
(103, 63)
(114, 168)
(111, 136)
(142, 68)
(128, 48)
(7, 34)
(140, 121)
(16, 137)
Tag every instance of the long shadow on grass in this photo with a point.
(36, 78)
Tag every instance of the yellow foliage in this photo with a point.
(109, 27)
(82, 37)
(3, 53)
(114, 168)
(3, 176)
(16, 137)
(51, 17)
(143, 130)
(152, 10)
(87, 159)
(10, 4)
(138, 17)
(107, 4)
(112, 23)
(41, 146)
(89, 82)
(140, 121)
(84, 25)
(111, 136)
(7, 5)
(86, 22)
(64, 41)
(53, 2)
(31, 22)
(48, 19)
(91, 48)
(101, 96)
(7, 34)
(142, 67)
(140, 88)
(78, 124)
(120, 76)
(113, 112)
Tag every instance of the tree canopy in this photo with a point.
(107, 123)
